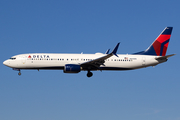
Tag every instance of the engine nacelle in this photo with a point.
(72, 68)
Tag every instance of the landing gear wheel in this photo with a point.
(19, 73)
(89, 74)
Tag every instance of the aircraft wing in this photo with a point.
(95, 64)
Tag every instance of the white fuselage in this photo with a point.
(58, 61)
(74, 63)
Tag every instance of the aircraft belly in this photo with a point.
(128, 65)
(44, 65)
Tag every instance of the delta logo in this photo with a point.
(38, 56)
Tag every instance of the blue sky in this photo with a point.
(68, 26)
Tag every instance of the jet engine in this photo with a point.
(72, 68)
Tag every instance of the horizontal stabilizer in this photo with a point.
(165, 57)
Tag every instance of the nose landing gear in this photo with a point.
(19, 73)
(89, 74)
(17, 70)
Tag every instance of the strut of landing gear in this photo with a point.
(89, 74)
(18, 70)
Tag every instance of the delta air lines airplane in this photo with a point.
(74, 63)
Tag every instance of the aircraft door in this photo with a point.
(23, 60)
(143, 61)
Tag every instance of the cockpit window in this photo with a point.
(12, 58)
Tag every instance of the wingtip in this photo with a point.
(115, 49)
(107, 52)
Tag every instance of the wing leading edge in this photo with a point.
(95, 64)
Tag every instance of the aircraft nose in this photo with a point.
(5, 62)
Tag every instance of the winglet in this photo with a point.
(115, 50)
(107, 52)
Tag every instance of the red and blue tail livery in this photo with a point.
(75, 63)
(160, 45)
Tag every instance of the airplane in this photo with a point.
(74, 63)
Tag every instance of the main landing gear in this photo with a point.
(89, 74)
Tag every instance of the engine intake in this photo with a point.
(72, 68)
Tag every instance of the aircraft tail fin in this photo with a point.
(160, 45)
